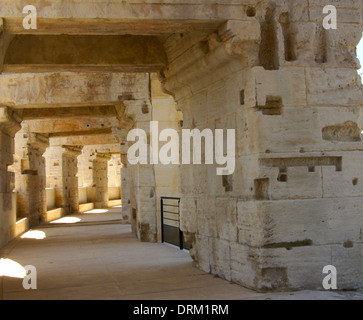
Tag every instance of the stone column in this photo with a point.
(85, 175)
(70, 179)
(141, 177)
(165, 112)
(85, 167)
(100, 179)
(30, 179)
(121, 135)
(62, 175)
(9, 125)
(114, 174)
(125, 190)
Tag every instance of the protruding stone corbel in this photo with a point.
(235, 45)
(126, 120)
(73, 151)
(121, 136)
(101, 156)
(9, 121)
(38, 141)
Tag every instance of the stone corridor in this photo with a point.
(264, 88)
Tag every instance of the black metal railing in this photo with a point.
(170, 221)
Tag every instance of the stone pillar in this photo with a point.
(141, 177)
(9, 125)
(100, 179)
(125, 190)
(85, 167)
(62, 175)
(165, 112)
(114, 174)
(293, 204)
(30, 179)
(121, 135)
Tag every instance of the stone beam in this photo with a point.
(75, 112)
(146, 11)
(84, 140)
(87, 26)
(5, 39)
(105, 148)
(77, 53)
(47, 90)
(71, 125)
(87, 133)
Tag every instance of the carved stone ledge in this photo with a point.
(38, 141)
(234, 46)
(103, 156)
(73, 151)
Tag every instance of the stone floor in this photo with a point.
(93, 256)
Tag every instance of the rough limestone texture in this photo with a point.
(268, 69)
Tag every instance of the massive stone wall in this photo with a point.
(290, 89)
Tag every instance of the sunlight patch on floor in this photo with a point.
(97, 211)
(12, 269)
(34, 234)
(67, 220)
